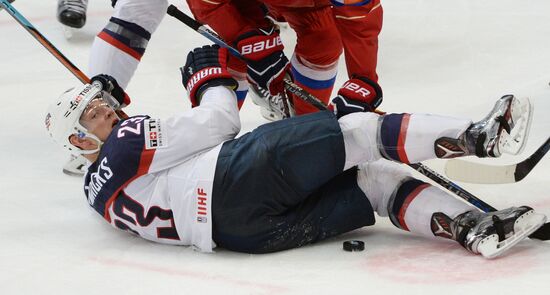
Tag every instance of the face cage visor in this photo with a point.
(79, 130)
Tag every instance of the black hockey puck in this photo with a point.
(354, 245)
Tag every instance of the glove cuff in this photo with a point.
(205, 78)
(364, 90)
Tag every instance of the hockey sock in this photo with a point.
(408, 202)
(242, 88)
(414, 202)
(406, 138)
(315, 79)
(410, 138)
(119, 47)
(117, 50)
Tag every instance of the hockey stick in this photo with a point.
(2, 7)
(490, 174)
(542, 233)
(49, 46)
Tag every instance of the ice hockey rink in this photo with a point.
(436, 56)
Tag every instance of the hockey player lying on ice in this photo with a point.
(186, 180)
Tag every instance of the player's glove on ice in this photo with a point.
(109, 85)
(267, 64)
(358, 94)
(205, 67)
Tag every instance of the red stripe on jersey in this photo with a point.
(144, 164)
(406, 203)
(402, 139)
(107, 38)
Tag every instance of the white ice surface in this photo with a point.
(440, 56)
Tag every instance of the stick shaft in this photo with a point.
(50, 47)
(42, 40)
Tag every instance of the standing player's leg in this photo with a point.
(230, 19)
(314, 63)
(359, 27)
(119, 47)
(72, 13)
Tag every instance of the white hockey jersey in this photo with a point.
(154, 177)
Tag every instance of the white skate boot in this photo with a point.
(489, 234)
(272, 108)
(504, 130)
(76, 166)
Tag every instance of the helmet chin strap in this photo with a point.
(82, 132)
(96, 150)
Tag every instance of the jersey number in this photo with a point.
(126, 126)
(124, 203)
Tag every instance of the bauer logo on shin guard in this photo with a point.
(201, 75)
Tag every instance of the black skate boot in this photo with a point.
(72, 13)
(488, 234)
(272, 107)
(504, 130)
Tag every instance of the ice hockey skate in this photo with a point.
(272, 107)
(492, 234)
(72, 15)
(504, 130)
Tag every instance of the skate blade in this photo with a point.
(68, 32)
(525, 225)
(522, 115)
(73, 172)
(269, 115)
(76, 166)
(258, 100)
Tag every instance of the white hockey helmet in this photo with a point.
(63, 116)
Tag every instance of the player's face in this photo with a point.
(99, 118)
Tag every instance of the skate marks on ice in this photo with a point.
(233, 282)
(419, 261)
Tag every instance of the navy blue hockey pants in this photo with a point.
(282, 186)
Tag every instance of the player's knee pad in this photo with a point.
(379, 181)
(359, 131)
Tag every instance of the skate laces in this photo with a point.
(78, 6)
(275, 104)
(484, 135)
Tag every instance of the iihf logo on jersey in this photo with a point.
(154, 136)
(202, 207)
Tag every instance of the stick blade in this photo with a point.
(543, 233)
(471, 172)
